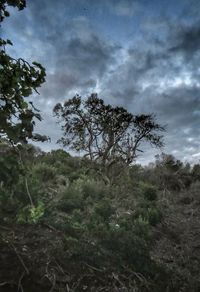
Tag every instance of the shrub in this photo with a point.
(31, 214)
(148, 191)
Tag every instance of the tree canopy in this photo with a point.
(18, 80)
(20, 4)
(105, 133)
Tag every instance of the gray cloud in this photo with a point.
(123, 7)
(187, 41)
(157, 70)
(163, 78)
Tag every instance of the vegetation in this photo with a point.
(105, 134)
(18, 80)
(68, 228)
(76, 223)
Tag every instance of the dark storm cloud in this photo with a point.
(73, 53)
(90, 57)
(163, 77)
(177, 106)
(179, 109)
(187, 40)
(156, 70)
(78, 64)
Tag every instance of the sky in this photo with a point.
(143, 55)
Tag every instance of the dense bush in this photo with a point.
(116, 228)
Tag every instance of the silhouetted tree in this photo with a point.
(105, 133)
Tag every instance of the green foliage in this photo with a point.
(8, 204)
(20, 4)
(168, 174)
(18, 80)
(149, 212)
(111, 228)
(67, 166)
(72, 198)
(43, 172)
(148, 191)
(196, 172)
(104, 209)
(88, 212)
(10, 168)
(31, 214)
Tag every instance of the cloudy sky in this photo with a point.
(140, 54)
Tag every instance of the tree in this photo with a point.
(104, 133)
(170, 173)
(196, 172)
(18, 80)
(20, 4)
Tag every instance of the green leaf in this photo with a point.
(9, 42)
(6, 13)
(24, 105)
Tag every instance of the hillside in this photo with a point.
(65, 228)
